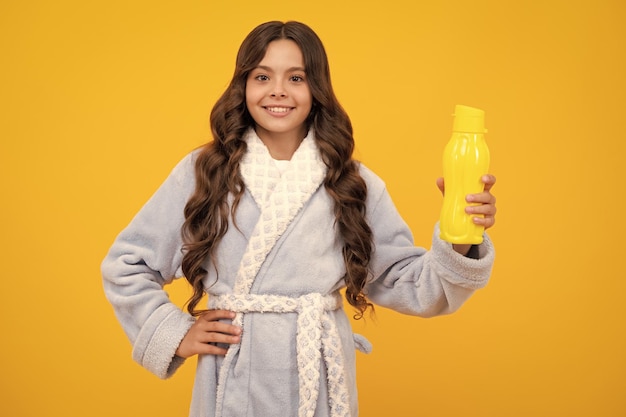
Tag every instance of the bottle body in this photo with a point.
(465, 161)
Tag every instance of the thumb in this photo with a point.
(441, 185)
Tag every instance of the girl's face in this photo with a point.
(277, 93)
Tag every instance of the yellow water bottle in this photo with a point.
(465, 161)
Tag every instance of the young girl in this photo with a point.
(272, 219)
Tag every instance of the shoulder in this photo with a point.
(376, 189)
(375, 184)
(184, 171)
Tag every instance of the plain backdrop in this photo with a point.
(100, 99)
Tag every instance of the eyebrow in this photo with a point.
(266, 68)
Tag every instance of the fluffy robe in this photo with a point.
(261, 375)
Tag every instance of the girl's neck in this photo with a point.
(281, 146)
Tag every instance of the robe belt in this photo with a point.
(317, 337)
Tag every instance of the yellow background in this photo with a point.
(101, 98)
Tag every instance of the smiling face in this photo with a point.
(278, 97)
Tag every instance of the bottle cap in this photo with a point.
(468, 119)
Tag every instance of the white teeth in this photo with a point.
(278, 109)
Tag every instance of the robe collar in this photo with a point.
(303, 176)
(279, 197)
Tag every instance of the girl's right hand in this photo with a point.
(206, 332)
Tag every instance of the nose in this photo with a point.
(278, 90)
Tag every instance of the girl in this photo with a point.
(272, 219)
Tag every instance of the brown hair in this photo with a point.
(217, 166)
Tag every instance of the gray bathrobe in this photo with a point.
(281, 270)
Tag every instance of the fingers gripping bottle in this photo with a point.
(465, 161)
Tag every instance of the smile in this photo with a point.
(278, 109)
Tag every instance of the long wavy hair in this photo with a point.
(219, 185)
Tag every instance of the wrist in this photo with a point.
(463, 249)
(469, 251)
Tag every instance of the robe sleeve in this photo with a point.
(413, 280)
(144, 257)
